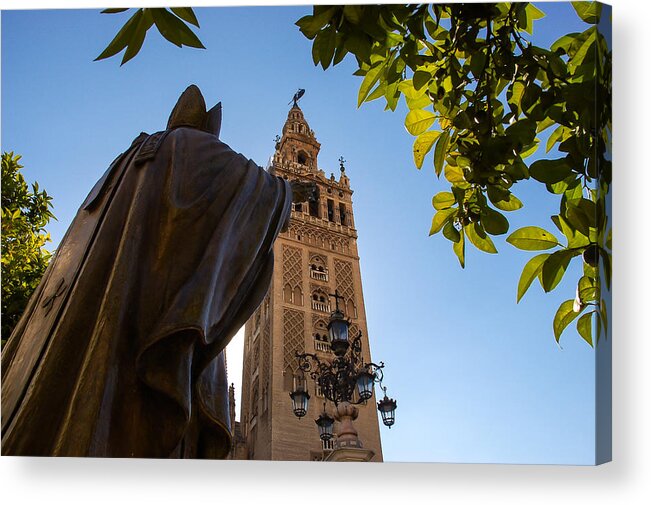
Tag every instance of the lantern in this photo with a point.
(387, 407)
(364, 383)
(325, 424)
(300, 401)
(338, 333)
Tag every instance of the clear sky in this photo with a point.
(477, 377)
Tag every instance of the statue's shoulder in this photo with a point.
(150, 145)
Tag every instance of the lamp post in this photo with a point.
(347, 380)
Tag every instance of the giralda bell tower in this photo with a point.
(314, 257)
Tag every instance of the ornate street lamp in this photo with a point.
(345, 381)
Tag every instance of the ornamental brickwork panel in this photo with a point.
(265, 366)
(294, 334)
(344, 281)
(292, 267)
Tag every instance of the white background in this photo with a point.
(626, 480)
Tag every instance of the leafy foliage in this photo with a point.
(173, 24)
(25, 214)
(480, 96)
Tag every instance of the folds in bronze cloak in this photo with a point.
(120, 350)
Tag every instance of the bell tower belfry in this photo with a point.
(298, 145)
(314, 257)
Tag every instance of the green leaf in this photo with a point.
(114, 11)
(353, 13)
(440, 218)
(590, 12)
(550, 171)
(421, 78)
(584, 50)
(378, 92)
(418, 121)
(311, 25)
(529, 273)
(340, 52)
(174, 30)
(588, 289)
(554, 268)
(580, 214)
(186, 14)
(443, 200)
(574, 192)
(121, 40)
(477, 63)
(450, 232)
(371, 77)
(138, 38)
(532, 238)
(328, 47)
(564, 316)
(564, 43)
(494, 222)
(605, 260)
(418, 103)
(584, 327)
(514, 94)
(392, 95)
(441, 151)
(523, 131)
(603, 313)
(503, 200)
(530, 97)
(528, 151)
(574, 237)
(406, 87)
(360, 45)
(423, 144)
(479, 238)
(459, 249)
(454, 175)
(533, 13)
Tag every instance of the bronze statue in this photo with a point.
(120, 350)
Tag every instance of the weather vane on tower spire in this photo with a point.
(297, 97)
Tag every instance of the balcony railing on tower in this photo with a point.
(320, 306)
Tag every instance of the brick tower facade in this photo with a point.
(315, 256)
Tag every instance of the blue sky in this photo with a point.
(477, 377)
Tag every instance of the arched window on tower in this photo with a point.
(320, 301)
(321, 342)
(318, 269)
(288, 379)
(314, 207)
(331, 210)
(294, 295)
(342, 215)
(297, 296)
(351, 310)
(287, 293)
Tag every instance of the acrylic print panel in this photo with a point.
(456, 200)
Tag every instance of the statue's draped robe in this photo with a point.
(119, 352)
